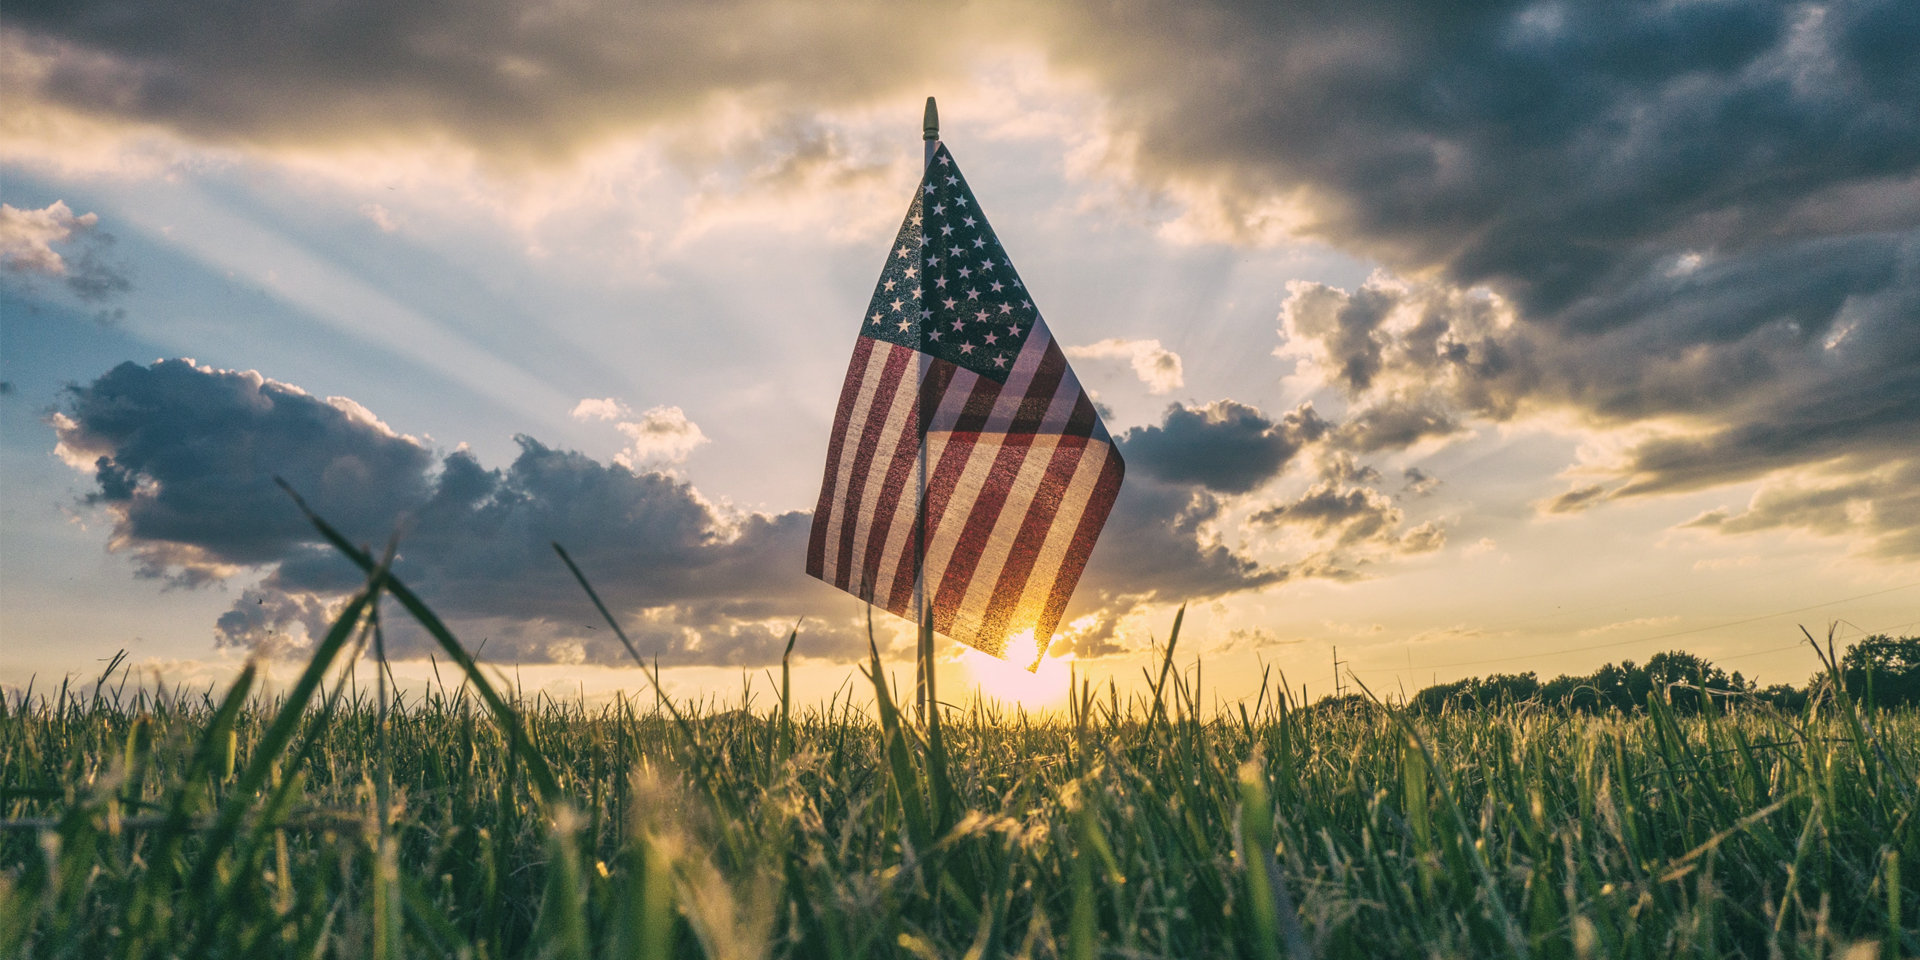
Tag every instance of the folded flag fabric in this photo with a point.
(1019, 474)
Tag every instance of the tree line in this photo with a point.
(1878, 671)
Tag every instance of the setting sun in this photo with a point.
(1009, 681)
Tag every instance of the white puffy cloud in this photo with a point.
(1155, 365)
(658, 436)
(27, 236)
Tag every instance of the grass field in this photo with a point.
(466, 824)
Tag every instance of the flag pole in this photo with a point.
(923, 604)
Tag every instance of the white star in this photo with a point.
(929, 189)
(916, 219)
(969, 221)
(997, 285)
(964, 273)
(888, 285)
(933, 335)
(977, 242)
(933, 261)
(912, 272)
(991, 338)
(980, 315)
(973, 294)
(966, 348)
(986, 264)
(1000, 361)
(945, 230)
(961, 201)
(951, 303)
(940, 282)
(944, 159)
(896, 306)
(952, 180)
(1006, 308)
(901, 252)
(916, 296)
(957, 325)
(905, 324)
(1013, 331)
(954, 250)
(923, 240)
(938, 207)
(876, 318)
(1027, 303)
(925, 314)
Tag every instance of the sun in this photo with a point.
(1008, 680)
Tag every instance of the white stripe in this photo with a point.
(896, 433)
(849, 452)
(1053, 553)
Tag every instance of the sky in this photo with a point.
(1440, 340)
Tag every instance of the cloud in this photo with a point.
(1156, 366)
(1352, 517)
(662, 435)
(28, 238)
(607, 409)
(1224, 446)
(182, 457)
(1576, 500)
(1880, 508)
(1419, 483)
(490, 74)
(658, 437)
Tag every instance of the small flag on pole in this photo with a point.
(1018, 472)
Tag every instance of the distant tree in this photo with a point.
(1476, 692)
(1625, 686)
(1883, 671)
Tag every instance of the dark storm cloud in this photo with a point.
(1224, 446)
(183, 457)
(507, 76)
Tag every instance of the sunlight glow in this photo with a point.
(1009, 681)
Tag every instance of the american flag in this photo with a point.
(1020, 472)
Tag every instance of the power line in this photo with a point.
(1664, 636)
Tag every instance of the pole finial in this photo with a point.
(930, 127)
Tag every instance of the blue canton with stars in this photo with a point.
(949, 288)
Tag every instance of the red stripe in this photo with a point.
(1026, 545)
(1084, 418)
(890, 378)
(849, 395)
(1099, 503)
(975, 538)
